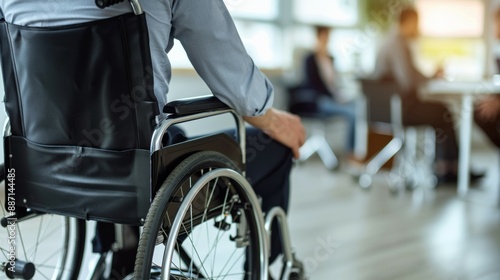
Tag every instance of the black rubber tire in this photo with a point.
(191, 165)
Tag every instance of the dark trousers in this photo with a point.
(416, 112)
(490, 128)
(268, 170)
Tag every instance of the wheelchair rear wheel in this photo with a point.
(204, 223)
(37, 245)
(41, 246)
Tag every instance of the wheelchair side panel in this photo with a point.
(81, 182)
(166, 159)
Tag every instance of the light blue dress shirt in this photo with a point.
(204, 28)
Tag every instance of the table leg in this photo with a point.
(465, 144)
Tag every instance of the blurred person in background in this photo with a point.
(323, 85)
(487, 113)
(395, 62)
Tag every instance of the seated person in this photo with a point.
(487, 117)
(487, 113)
(322, 83)
(211, 41)
(395, 62)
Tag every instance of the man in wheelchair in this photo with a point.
(36, 35)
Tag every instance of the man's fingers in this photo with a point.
(301, 131)
(302, 137)
(296, 153)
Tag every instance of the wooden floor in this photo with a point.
(343, 232)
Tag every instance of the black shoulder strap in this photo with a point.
(106, 3)
(136, 6)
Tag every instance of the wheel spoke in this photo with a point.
(195, 251)
(37, 238)
(192, 248)
(217, 239)
(232, 266)
(224, 215)
(19, 233)
(39, 272)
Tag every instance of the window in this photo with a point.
(178, 56)
(253, 9)
(263, 42)
(255, 21)
(327, 12)
(452, 33)
(256, 24)
(451, 18)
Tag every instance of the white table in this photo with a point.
(467, 91)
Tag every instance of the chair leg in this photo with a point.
(430, 145)
(430, 155)
(408, 160)
(318, 144)
(327, 155)
(308, 149)
(376, 163)
(415, 164)
(383, 156)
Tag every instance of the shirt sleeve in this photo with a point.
(209, 36)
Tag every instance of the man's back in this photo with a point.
(204, 28)
(57, 12)
(395, 62)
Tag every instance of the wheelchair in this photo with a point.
(66, 163)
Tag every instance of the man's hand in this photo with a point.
(489, 108)
(281, 126)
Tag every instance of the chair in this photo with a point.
(383, 114)
(83, 143)
(302, 103)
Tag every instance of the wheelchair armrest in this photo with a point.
(190, 109)
(189, 106)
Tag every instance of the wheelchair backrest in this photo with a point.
(82, 112)
(86, 84)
